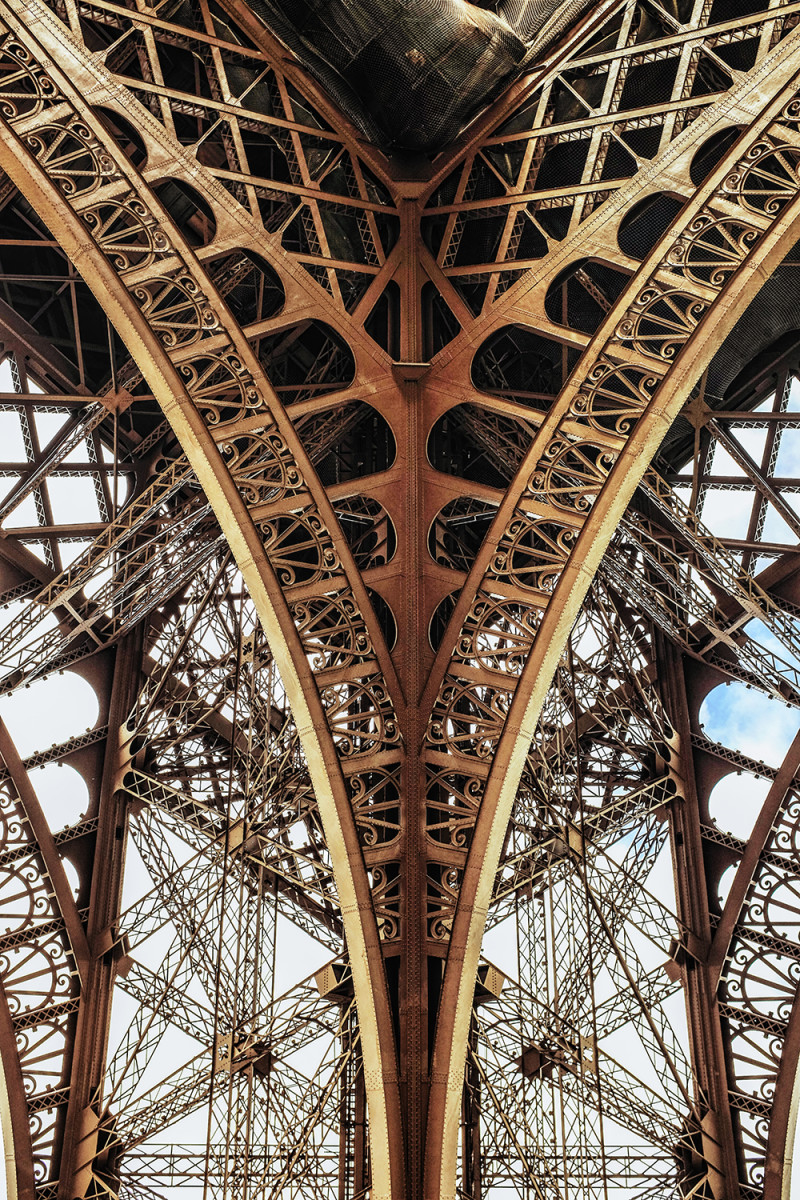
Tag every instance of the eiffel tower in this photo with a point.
(401, 446)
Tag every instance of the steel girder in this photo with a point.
(410, 766)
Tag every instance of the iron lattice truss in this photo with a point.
(403, 565)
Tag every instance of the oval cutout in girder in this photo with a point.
(474, 443)
(583, 294)
(645, 223)
(190, 212)
(347, 442)
(524, 366)
(306, 361)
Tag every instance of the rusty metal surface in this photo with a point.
(406, 583)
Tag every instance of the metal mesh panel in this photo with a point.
(412, 75)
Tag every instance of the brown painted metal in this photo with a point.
(416, 755)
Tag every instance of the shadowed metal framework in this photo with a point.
(409, 569)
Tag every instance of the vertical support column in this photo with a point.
(361, 1177)
(470, 1122)
(353, 1143)
(413, 1000)
(84, 1115)
(716, 1139)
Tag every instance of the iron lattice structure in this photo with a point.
(405, 582)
